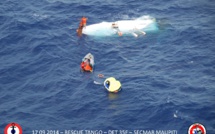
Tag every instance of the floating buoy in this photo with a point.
(112, 85)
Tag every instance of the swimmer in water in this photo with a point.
(107, 83)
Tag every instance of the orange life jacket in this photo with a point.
(88, 67)
(84, 20)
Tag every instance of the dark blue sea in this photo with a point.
(167, 76)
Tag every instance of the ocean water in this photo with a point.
(167, 76)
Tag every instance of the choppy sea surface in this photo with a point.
(167, 76)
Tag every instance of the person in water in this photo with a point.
(107, 83)
(83, 21)
(86, 66)
(116, 27)
(82, 24)
(79, 30)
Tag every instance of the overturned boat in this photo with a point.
(124, 27)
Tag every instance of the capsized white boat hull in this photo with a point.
(145, 23)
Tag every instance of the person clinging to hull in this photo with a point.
(82, 24)
(79, 30)
(83, 21)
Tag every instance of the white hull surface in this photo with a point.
(145, 23)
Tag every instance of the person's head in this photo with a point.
(108, 82)
(88, 60)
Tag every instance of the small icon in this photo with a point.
(13, 128)
(197, 129)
